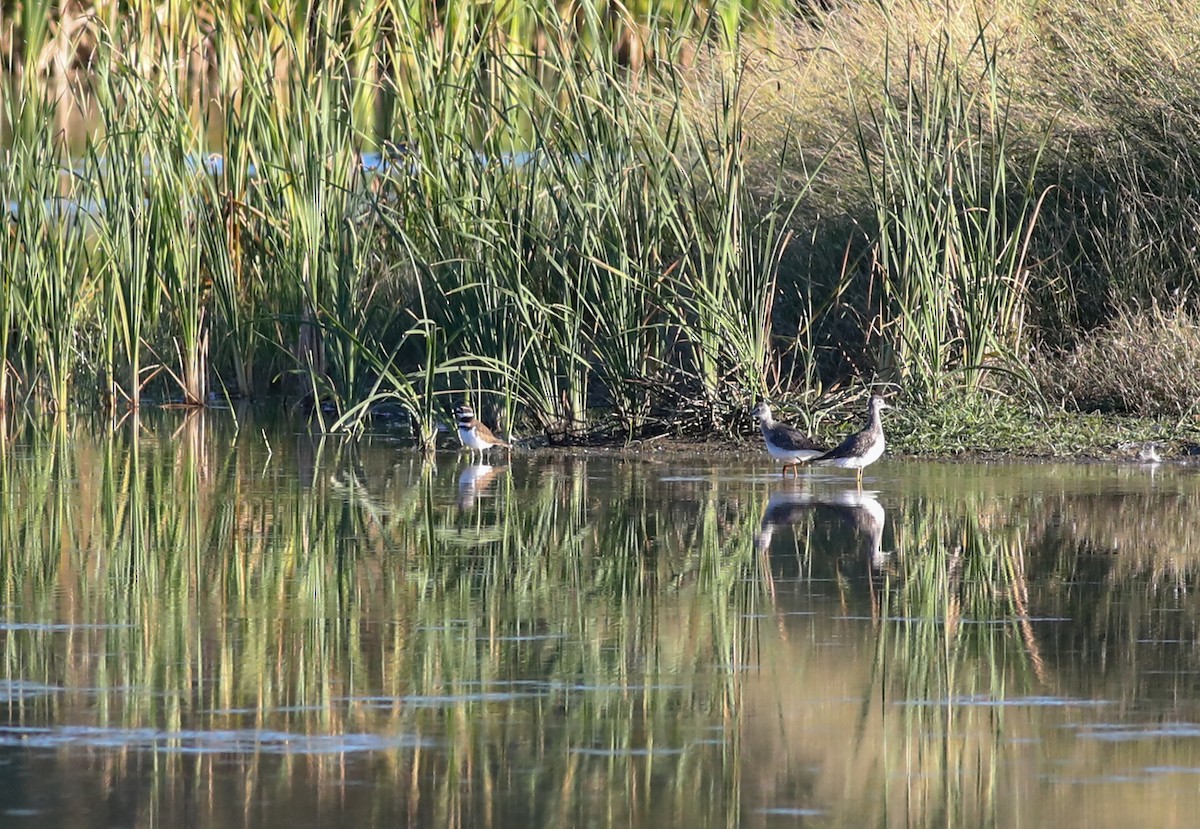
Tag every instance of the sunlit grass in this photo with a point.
(557, 233)
(954, 223)
(631, 218)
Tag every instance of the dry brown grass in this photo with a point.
(1111, 90)
(1144, 362)
(808, 80)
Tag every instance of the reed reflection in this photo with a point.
(318, 618)
(884, 681)
(228, 630)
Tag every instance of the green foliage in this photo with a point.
(960, 424)
(953, 229)
(43, 257)
(600, 238)
(648, 214)
(554, 230)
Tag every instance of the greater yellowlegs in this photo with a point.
(473, 434)
(785, 443)
(1149, 454)
(862, 448)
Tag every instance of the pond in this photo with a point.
(217, 623)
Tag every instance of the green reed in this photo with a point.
(652, 198)
(130, 208)
(183, 340)
(9, 259)
(470, 218)
(235, 232)
(733, 237)
(555, 230)
(595, 238)
(312, 180)
(954, 219)
(42, 255)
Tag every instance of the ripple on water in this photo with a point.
(49, 627)
(983, 701)
(19, 690)
(248, 741)
(252, 711)
(523, 691)
(1121, 733)
(633, 687)
(626, 752)
(1163, 770)
(21, 813)
(512, 691)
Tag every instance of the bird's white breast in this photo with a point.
(470, 438)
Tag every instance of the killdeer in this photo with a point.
(862, 448)
(785, 443)
(473, 434)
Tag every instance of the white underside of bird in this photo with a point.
(874, 452)
(791, 455)
(470, 438)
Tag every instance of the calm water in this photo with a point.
(209, 628)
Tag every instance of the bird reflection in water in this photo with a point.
(472, 482)
(853, 508)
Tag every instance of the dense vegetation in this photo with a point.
(601, 216)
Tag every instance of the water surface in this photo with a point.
(205, 626)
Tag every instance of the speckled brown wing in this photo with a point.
(853, 446)
(488, 436)
(792, 439)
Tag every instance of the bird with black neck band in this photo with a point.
(476, 436)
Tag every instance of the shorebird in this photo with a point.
(862, 448)
(1149, 454)
(473, 434)
(785, 443)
